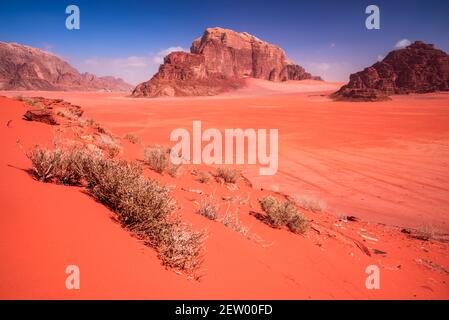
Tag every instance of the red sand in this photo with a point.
(382, 162)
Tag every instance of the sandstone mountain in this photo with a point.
(418, 68)
(27, 68)
(217, 62)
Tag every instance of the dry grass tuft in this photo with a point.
(132, 138)
(227, 174)
(310, 203)
(280, 214)
(158, 158)
(108, 144)
(204, 177)
(209, 208)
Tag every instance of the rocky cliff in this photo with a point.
(418, 68)
(217, 62)
(27, 68)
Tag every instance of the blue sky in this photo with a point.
(129, 38)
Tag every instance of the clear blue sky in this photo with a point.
(128, 38)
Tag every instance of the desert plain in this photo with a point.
(385, 163)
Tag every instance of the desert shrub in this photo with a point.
(59, 165)
(108, 144)
(298, 224)
(227, 174)
(281, 214)
(180, 247)
(310, 203)
(209, 208)
(158, 158)
(141, 204)
(45, 163)
(132, 138)
(204, 177)
(146, 207)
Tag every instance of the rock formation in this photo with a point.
(27, 68)
(218, 62)
(418, 68)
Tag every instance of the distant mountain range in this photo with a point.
(26, 68)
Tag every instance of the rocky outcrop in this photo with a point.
(40, 115)
(217, 62)
(27, 68)
(418, 68)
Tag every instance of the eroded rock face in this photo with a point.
(217, 62)
(419, 68)
(27, 68)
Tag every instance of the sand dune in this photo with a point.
(382, 162)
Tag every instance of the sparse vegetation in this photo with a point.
(280, 214)
(209, 208)
(28, 101)
(108, 144)
(158, 158)
(227, 174)
(142, 205)
(231, 220)
(204, 177)
(132, 138)
(310, 203)
(425, 232)
(56, 165)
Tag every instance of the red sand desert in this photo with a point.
(385, 163)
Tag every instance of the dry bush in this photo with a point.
(209, 208)
(146, 208)
(204, 177)
(181, 247)
(59, 165)
(310, 203)
(298, 224)
(45, 163)
(281, 214)
(141, 204)
(108, 144)
(231, 220)
(158, 158)
(132, 138)
(227, 174)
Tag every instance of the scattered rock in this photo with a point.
(198, 191)
(40, 115)
(352, 219)
(376, 251)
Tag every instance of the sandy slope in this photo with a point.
(382, 162)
